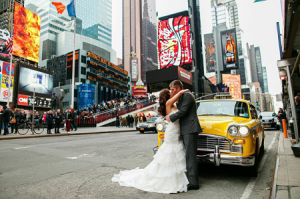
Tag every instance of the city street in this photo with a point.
(82, 167)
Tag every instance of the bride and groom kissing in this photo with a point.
(174, 167)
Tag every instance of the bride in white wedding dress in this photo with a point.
(166, 173)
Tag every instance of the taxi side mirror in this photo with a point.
(274, 114)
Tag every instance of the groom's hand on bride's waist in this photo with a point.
(168, 118)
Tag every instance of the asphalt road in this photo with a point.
(82, 167)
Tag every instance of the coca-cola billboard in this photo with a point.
(174, 42)
(229, 49)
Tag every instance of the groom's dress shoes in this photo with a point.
(193, 187)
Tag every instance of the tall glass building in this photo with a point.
(93, 20)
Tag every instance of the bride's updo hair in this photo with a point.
(164, 96)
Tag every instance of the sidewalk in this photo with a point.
(287, 172)
(80, 131)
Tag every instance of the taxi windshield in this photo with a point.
(223, 108)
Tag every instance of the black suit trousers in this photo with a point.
(190, 143)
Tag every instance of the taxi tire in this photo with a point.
(262, 147)
(141, 131)
(253, 171)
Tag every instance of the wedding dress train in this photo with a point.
(166, 173)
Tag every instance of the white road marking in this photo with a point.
(252, 181)
(81, 156)
(25, 147)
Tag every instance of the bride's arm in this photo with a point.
(175, 97)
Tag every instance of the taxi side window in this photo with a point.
(253, 112)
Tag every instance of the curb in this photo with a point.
(65, 134)
(274, 183)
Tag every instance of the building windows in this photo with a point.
(83, 71)
(83, 59)
(65, 104)
(82, 80)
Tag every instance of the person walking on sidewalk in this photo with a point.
(68, 117)
(49, 121)
(118, 121)
(58, 120)
(73, 120)
(297, 102)
(136, 119)
(6, 118)
(281, 115)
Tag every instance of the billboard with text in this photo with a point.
(232, 84)
(5, 83)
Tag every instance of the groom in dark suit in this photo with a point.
(189, 130)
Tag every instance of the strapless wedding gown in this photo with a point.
(166, 173)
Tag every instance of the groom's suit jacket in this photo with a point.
(187, 113)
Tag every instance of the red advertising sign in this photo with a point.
(23, 100)
(174, 43)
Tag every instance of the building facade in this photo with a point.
(89, 22)
(92, 66)
(265, 77)
(139, 38)
(7, 13)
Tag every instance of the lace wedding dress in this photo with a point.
(166, 173)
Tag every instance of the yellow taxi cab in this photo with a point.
(232, 133)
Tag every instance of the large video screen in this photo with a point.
(26, 41)
(174, 45)
(40, 80)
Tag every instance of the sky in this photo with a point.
(257, 21)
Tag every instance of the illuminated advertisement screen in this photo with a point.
(210, 55)
(26, 35)
(86, 95)
(229, 49)
(5, 85)
(232, 84)
(32, 78)
(174, 44)
(70, 64)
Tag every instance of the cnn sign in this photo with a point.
(23, 100)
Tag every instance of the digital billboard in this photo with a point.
(232, 84)
(70, 64)
(210, 55)
(229, 49)
(174, 45)
(26, 42)
(86, 95)
(26, 100)
(31, 78)
(5, 84)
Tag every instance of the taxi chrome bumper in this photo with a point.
(217, 158)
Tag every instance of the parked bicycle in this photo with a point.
(26, 126)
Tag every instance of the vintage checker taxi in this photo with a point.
(232, 133)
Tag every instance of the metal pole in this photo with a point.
(10, 68)
(33, 111)
(291, 96)
(73, 67)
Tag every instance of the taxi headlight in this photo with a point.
(151, 125)
(159, 127)
(244, 131)
(233, 131)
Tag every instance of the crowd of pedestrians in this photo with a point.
(54, 119)
(130, 120)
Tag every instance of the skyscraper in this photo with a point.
(93, 20)
(139, 37)
(265, 77)
(259, 68)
